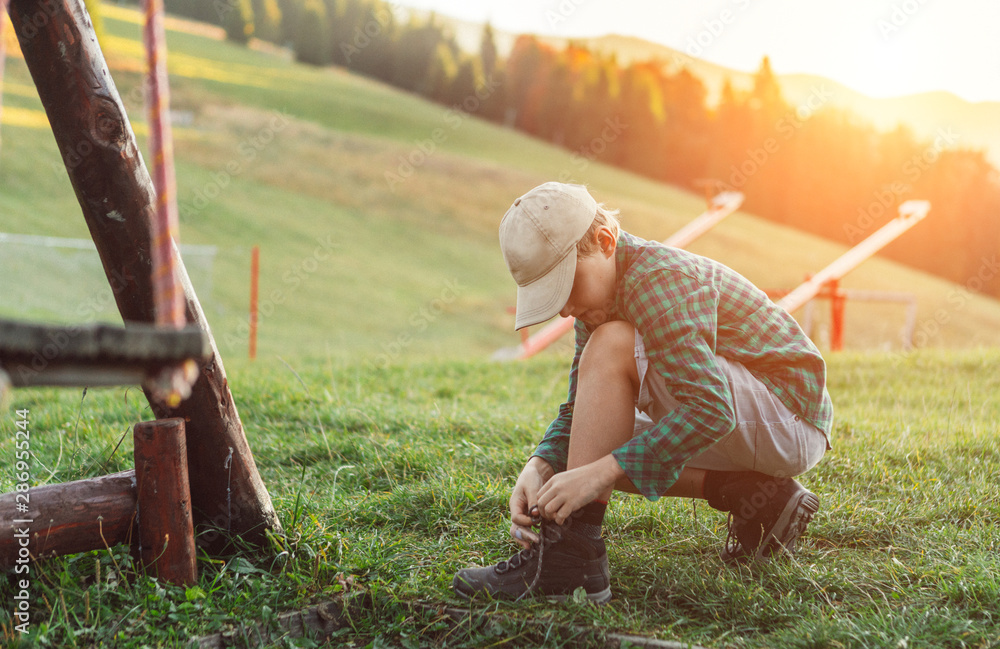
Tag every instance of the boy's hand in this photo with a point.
(570, 490)
(525, 496)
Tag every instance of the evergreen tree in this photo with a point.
(494, 84)
(267, 20)
(462, 90)
(557, 102)
(209, 12)
(686, 129)
(372, 46)
(639, 146)
(290, 10)
(440, 74)
(237, 20)
(311, 40)
(765, 98)
(425, 55)
(488, 52)
(527, 74)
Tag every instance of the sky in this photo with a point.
(882, 48)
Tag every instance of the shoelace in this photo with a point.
(732, 540)
(548, 533)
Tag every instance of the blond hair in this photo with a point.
(604, 218)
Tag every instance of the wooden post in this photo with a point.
(116, 195)
(166, 528)
(68, 518)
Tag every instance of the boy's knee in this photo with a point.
(614, 336)
(612, 343)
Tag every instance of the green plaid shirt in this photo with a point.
(689, 309)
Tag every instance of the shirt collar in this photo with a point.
(624, 255)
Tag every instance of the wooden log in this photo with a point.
(93, 355)
(166, 529)
(116, 195)
(67, 518)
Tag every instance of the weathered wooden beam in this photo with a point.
(116, 195)
(94, 355)
(67, 518)
(166, 529)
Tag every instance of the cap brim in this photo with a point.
(547, 295)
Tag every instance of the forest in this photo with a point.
(811, 166)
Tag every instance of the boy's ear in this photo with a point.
(606, 241)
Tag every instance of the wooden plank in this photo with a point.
(94, 355)
(166, 528)
(67, 518)
(116, 195)
(910, 213)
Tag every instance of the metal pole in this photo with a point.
(254, 275)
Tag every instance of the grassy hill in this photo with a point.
(376, 211)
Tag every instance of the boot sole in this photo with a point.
(600, 597)
(794, 518)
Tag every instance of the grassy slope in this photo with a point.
(294, 159)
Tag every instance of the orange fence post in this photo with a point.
(837, 301)
(254, 275)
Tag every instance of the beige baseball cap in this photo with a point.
(538, 237)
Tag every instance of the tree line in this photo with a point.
(811, 165)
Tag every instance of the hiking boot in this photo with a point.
(562, 560)
(766, 517)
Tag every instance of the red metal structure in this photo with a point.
(826, 283)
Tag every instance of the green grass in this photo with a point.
(387, 481)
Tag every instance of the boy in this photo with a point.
(687, 381)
